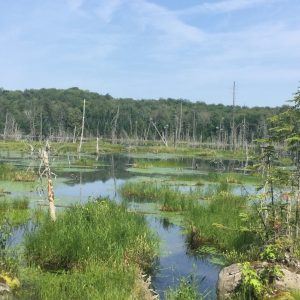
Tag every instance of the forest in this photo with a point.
(57, 114)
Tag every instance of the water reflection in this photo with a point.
(175, 262)
(81, 184)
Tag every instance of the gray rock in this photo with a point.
(4, 289)
(230, 278)
(289, 280)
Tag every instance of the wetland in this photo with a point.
(171, 220)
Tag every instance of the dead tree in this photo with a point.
(44, 156)
(233, 129)
(161, 135)
(180, 123)
(114, 125)
(82, 127)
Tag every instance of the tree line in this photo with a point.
(46, 113)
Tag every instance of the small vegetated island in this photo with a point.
(229, 177)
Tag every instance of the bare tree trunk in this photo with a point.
(233, 132)
(82, 127)
(97, 146)
(180, 122)
(74, 135)
(162, 137)
(5, 127)
(114, 125)
(48, 173)
(194, 128)
(41, 125)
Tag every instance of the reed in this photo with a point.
(221, 222)
(170, 199)
(9, 172)
(96, 281)
(15, 211)
(162, 163)
(186, 290)
(99, 231)
(92, 251)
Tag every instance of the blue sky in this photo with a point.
(153, 48)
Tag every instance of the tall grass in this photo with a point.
(6, 171)
(222, 222)
(186, 290)
(166, 163)
(9, 172)
(14, 203)
(104, 281)
(91, 251)
(14, 211)
(101, 231)
(171, 199)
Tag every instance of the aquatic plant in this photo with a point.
(221, 222)
(161, 163)
(15, 211)
(186, 290)
(99, 231)
(171, 199)
(9, 172)
(92, 251)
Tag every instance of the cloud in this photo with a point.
(106, 9)
(164, 21)
(224, 6)
(75, 4)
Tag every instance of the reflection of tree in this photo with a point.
(113, 168)
(166, 224)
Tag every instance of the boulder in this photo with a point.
(289, 281)
(230, 277)
(4, 289)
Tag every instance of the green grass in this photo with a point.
(91, 232)
(295, 294)
(9, 172)
(235, 178)
(92, 251)
(14, 211)
(143, 164)
(95, 281)
(186, 290)
(221, 222)
(15, 203)
(170, 199)
(107, 147)
(87, 147)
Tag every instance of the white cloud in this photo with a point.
(223, 6)
(157, 17)
(75, 4)
(106, 9)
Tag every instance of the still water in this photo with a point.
(78, 185)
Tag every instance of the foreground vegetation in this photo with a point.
(87, 254)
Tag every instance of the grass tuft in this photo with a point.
(92, 251)
(171, 199)
(221, 222)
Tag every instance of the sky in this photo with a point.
(189, 49)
